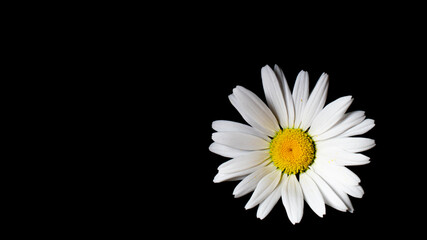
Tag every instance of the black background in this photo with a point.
(363, 61)
(145, 83)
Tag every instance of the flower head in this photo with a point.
(294, 148)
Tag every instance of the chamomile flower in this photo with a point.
(294, 148)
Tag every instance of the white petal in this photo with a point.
(249, 183)
(274, 95)
(250, 116)
(360, 129)
(257, 107)
(312, 195)
(264, 188)
(344, 197)
(285, 197)
(300, 95)
(330, 115)
(287, 96)
(330, 197)
(350, 144)
(226, 151)
(340, 157)
(268, 204)
(346, 176)
(221, 177)
(348, 121)
(230, 126)
(315, 102)
(356, 159)
(354, 191)
(241, 141)
(333, 183)
(341, 179)
(341, 174)
(244, 162)
(293, 199)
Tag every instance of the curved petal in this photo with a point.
(348, 121)
(312, 195)
(341, 157)
(230, 126)
(341, 174)
(221, 177)
(249, 183)
(268, 204)
(330, 115)
(354, 191)
(287, 96)
(315, 102)
(254, 104)
(264, 188)
(274, 95)
(300, 95)
(226, 151)
(330, 197)
(359, 129)
(293, 199)
(241, 141)
(334, 184)
(250, 116)
(244, 162)
(349, 144)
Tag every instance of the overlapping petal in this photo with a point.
(315, 102)
(249, 183)
(240, 140)
(349, 144)
(274, 95)
(312, 195)
(292, 198)
(330, 115)
(263, 189)
(267, 205)
(289, 102)
(348, 121)
(230, 126)
(300, 95)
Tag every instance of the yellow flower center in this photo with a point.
(292, 150)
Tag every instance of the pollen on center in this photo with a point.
(292, 150)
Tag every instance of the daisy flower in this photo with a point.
(294, 148)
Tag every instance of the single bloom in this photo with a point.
(294, 148)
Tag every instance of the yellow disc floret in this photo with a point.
(292, 150)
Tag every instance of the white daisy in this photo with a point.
(294, 148)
